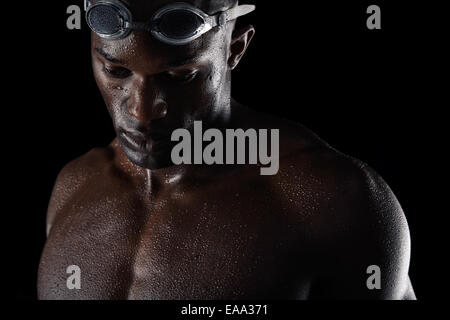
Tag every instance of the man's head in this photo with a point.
(152, 88)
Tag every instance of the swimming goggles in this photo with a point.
(178, 23)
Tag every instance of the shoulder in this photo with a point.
(73, 176)
(354, 216)
(350, 186)
(355, 195)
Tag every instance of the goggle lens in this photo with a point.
(179, 24)
(104, 19)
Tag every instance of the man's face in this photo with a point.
(151, 88)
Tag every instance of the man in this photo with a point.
(325, 226)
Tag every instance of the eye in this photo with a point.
(179, 76)
(117, 72)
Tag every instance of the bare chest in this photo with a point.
(240, 244)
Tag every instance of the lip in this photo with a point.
(138, 142)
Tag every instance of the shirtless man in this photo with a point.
(140, 227)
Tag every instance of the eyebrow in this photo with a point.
(170, 65)
(180, 63)
(108, 56)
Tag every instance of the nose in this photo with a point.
(146, 102)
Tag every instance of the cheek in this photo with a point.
(212, 48)
(217, 79)
(204, 98)
(206, 88)
(215, 84)
(112, 92)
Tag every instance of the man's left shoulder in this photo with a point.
(348, 185)
(354, 218)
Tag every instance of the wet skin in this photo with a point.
(141, 228)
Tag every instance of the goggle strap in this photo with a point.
(236, 12)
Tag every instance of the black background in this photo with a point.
(369, 93)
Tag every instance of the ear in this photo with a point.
(239, 43)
